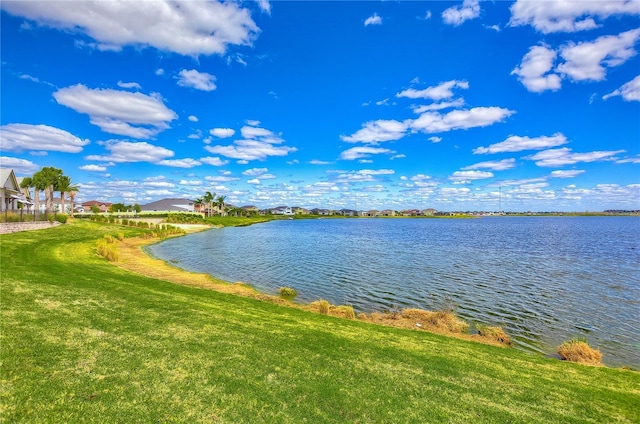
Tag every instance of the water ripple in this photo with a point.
(545, 280)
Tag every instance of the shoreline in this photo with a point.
(134, 258)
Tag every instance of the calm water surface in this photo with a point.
(544, 279)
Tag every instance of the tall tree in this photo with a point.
(208, 198)
(63, 185)
(46, 179)
(220, 202)
(27, 182)
(73, 190)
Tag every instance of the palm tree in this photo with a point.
(220, 203)
(208, 199)
(45, 179)
(73, 190)
(198, 203)
(63, 185)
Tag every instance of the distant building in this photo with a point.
(169, 205)
(10, 192)
(103, 206)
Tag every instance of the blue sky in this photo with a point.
(329, 104)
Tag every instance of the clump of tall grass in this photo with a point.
(345, 311)
(323, 306)
(494, 333)
(108, 249)
(288, 292)
(578, 350)
(444, 319)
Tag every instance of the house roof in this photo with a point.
(95, 203)
(177, 205)
(8, 180)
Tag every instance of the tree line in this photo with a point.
(50, 180)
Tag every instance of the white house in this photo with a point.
(11, 195)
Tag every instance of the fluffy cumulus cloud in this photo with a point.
(93, 168)
(373, 20)
(25, 137)
(535, 70)
(456, 15)
(134, 115)
(198, 80)
(517, 143)
(467, 176)
(19, 166)
(257, 144)
(222, 132)
(568, 16)
(567, 173)
(564, 156)
(127, 151)
(364, 152)
(214, 161)
(439, 92)
(433, 122)
(630, 91)
(586, 61)
(189, 28)
(583, 61)
(374, 132)
(499, 165)
(179, 163)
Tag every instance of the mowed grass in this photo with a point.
(85, 341)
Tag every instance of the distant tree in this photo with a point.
(95, 209)
(73, 190)
(137, 208)
(117, 207)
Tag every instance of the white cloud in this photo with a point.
(254, 181)
(19, 166)
(319, 162)
(126, 151)
(265, 6)
(630, 91)
(439, 92)
(419, 109)
(586, 61)
(630, 160)
(564, 156)
(433, 122)
(249, 150)
(566, 174)
(189, 28)
(534, 70)
(255, 171)
(129, 85)
(517, 143)
(435, 139)
(214, 161)
(373, 20)
(193, 118)
(190, 182)
(466, 176)
(180, 163)
(568, 16)
(262, 134)
(456, 15)
(363, 152)
(222, 132)
(198, 80)
(93, 168)
(378, 131)
(21, 137)
(118, 112)
(499, 165)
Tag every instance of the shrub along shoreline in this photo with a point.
(85, 341)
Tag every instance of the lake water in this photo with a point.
(544, 279)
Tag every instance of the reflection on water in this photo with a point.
(544, 279)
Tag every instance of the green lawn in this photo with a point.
(84, 341)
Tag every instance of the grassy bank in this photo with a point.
(84, 341)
